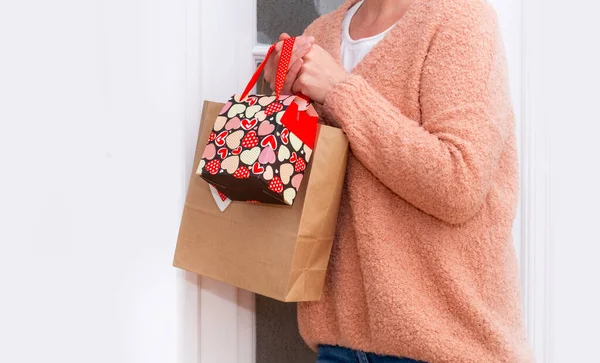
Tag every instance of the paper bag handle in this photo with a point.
(282, 68)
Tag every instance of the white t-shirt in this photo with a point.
(353, 51)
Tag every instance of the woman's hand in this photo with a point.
(302, 45)
(319, 74)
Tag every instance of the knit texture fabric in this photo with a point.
(423, 265)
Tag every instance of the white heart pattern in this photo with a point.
(285, 172)
(284, 153)
(200, 167)
(295, 141)
(250, 111)
(288, 195)
(231, 164)
(236, 110)
(219, 123)
(248, 157)
(233, 140)
(260, 115)
(264, 101)
(307, 153)
(279, 116)
(268, 174)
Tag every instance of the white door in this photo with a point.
(91, 180)
(225, 41)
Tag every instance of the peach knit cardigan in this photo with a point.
(423, 264)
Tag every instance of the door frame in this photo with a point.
(218, 320)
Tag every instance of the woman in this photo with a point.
(423, 267)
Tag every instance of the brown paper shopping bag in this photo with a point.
(274, 250)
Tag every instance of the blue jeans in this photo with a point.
(331, 354)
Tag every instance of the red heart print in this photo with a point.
(284, 136)
(250, 140)
(269, 141)
(237, 150)
(300, 165)
(252, 100)
(220, 139)
(249, 124)
(213, 166)
(242, 173)
(273, 107)
(223, 152)
(222, 196)
(212, 136)
(276, 185)
(294, 157)
(257, 169)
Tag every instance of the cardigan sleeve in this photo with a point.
(443, 166)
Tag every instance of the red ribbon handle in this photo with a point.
(282, 67)
(303, 125)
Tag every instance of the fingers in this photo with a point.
(300, 51)
(302, 46)
(285, 36)
(278, 46)
(298, 86)
(308, 38)
(299, 41)
(313, 52)
(291, 76)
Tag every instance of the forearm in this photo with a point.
(443, 171)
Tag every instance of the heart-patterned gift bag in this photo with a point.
(260, 145)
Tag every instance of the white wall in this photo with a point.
(92, 109)
(567, 76)
(560, 86)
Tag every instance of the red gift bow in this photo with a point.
(301, 124)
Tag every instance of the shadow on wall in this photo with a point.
(277, 337)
